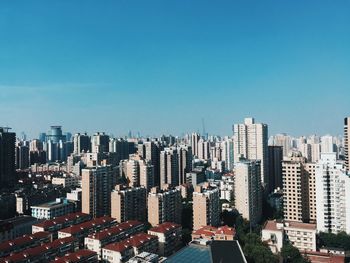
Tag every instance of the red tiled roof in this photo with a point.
(206, 231)
(87, 225)
(226, 230)
(35, 251)
(115, 230)
(119, 246)
(25, 239)
(76, 256)
(60, 220)
(165, 227)
(139, 239)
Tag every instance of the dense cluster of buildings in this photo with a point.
(98, 198)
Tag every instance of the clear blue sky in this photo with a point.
(160, 66)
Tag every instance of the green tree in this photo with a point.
(291, 254)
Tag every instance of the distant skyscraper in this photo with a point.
(203, 149)
(22, 157)
(275, 167)
(194, 143)
(332, 195)
(122, 148)
(55, 134)
(248, 190)
(184, 162)
(250, 142)
(42, 137)
(100, 142)
(129, 203)
(7, 157)
(97, 185)
(227, 153)
(82, 143)
(327, 145)
(283, 140)
(206, 207)
(347, 143)
(164, 206)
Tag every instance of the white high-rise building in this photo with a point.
(248, 190)
(227, 153)
(332, 195)
(327, 145)
(250, 142)
(283, 140)
(347, 143)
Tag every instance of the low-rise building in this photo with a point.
(214, 233)
(58, 223)
(80, 256)
(300, 235)
(59, 207)
(169, 237)
(82, 230)
(97, 241)
(45, 252)
(122, 251)
(21, 243)
(16, 227)
(65, 180)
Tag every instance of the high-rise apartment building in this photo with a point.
(100, 142)
(169, 167)
(194, 143)
(164, 205)
(275, 167)
(347, 143)
(7, 157)
(97, 185)
(206, 207)
(283, 140)
(122, 148)
(82, 143)
(138, 172)
(250, 142)
(332, 195)
(299, 189)
(22, 157)
(128, 203)
(184, 162)
(327, 145)
(203, 149)
(248, 190)
(150, 151)
(227, 153)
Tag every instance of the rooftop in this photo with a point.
(76, 256)
(272, 225)
(36, 251)
(205, 231)
(119, 246)
(62, 219)
(87, 225)
(165, 227)
(226, 230)
(20, 241)
(115, 230)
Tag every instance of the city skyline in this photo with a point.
(162, 67)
